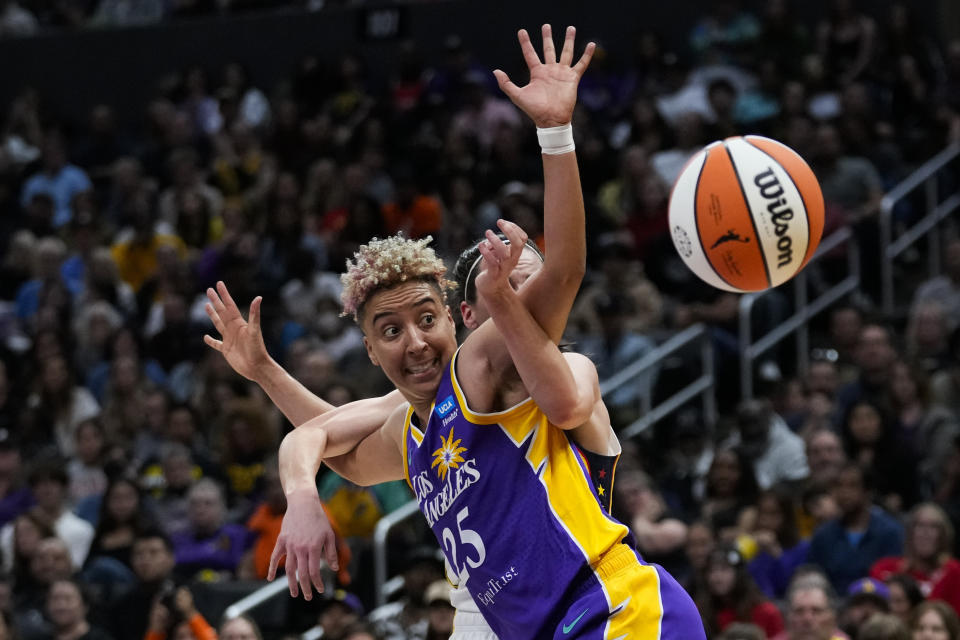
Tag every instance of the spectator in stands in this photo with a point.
(68, 608)
(57, 407)
(153, 563)
(865, 598)
(408, 616)
(927, 555)
(170, 481)
(811, 612)
(927, 335)
(730, 595)
(945, 288)
(846, 324)
(187, 623)
(47, 278)
(341, 611)
(689, 139)
(240, 628)
(58, 179)
(138, 258)
(248, 440)
(15, 496)
(883, 626)
(85, 469)
(875, 357)
(614, 348)
(826, 457)
(847, 546)
(50, 563)
(870, 440)
(846, 41)
(210, 548)
(48, 481)
(905, 595)
(28, 532)
(935, 620)
(779, 547)
(730, 495)
(439, 611)
(123, 517)
(924, 430)
(777, 454)
(660, 535)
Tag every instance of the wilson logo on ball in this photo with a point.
(746, 214)
(771, 190)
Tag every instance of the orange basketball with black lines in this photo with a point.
(746, 213)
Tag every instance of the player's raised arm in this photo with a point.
(241, 344)
(549, 100)
(567, 401)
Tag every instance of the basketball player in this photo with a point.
(514, 399)
(242, 346)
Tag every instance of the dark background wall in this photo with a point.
(77, 70)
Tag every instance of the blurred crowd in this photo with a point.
(138, 472)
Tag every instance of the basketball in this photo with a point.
(746, 213)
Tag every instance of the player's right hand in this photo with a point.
(306, 538)
(241, 341)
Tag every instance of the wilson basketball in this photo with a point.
(746, 213)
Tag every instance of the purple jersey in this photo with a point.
(514, 507)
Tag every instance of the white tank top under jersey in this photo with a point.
(468, 623)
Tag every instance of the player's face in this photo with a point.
(409, 333)
(476, 314)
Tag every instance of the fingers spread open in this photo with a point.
(566, 55)
(225, 294)
(255, 313)
(213, 343)
(585, 59)
(526, 47)
(506, 85)
(214, 317)
(215, 300)
(549, 53)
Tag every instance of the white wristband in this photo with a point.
(556, 140)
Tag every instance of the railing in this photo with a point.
(380, 533)
(702, 386)
(750, 351)
(927, 177)
(258, 597)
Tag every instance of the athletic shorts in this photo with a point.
(645, 602)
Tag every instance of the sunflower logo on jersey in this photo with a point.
(448, 456)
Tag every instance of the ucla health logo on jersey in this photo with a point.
(445, 407)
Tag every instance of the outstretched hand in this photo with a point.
(242, 341)
(306, 539)
(500, 258)
(551, 94)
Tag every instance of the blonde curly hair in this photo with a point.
(384, 263)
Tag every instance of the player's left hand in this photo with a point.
(551, 94)
(499, 258)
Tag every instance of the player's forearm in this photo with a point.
(541, 366)
(300, 455)
(551, 294)
(294, 400)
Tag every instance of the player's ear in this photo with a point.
(370, 353)
(466, 311)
